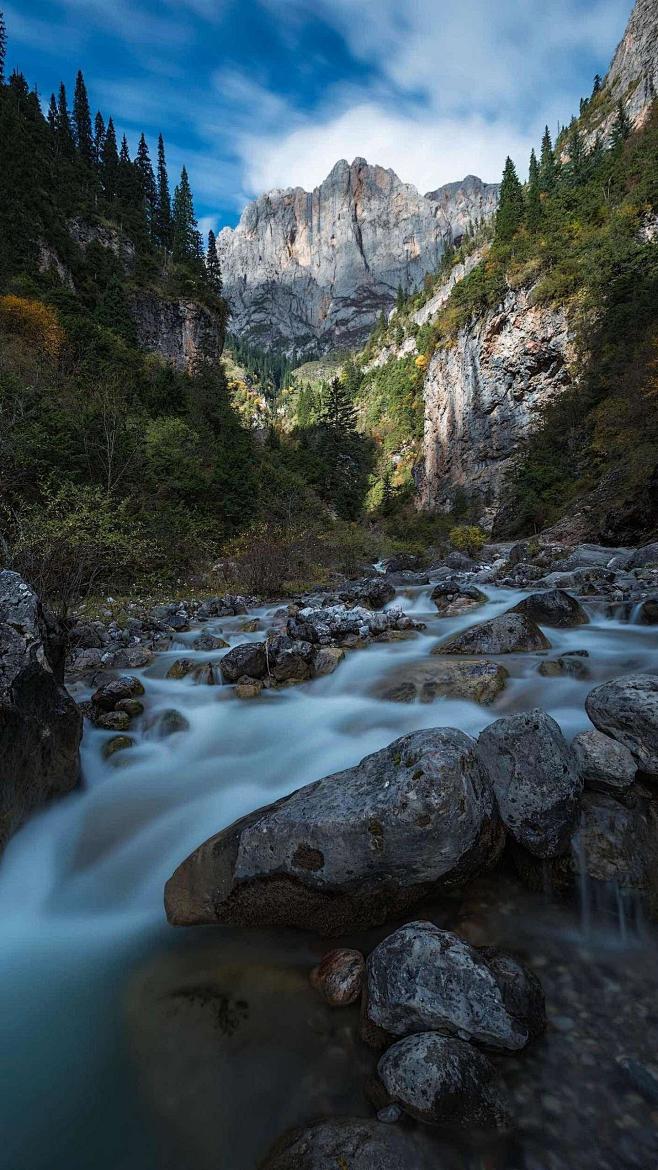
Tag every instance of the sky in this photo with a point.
(256, 94)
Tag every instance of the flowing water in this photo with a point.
(108, 1059)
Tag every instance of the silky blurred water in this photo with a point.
(81, 884)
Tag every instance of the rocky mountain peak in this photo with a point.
(633, 75)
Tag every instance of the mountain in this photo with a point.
(308, 272)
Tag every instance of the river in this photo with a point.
(99, 1069)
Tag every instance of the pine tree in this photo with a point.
(534, 206)
(99, 138)
(621, 127)
(548, 167)
(146, 178)
(596, 88)
(163, 206)
(338, 410)
(183, 221)
(576, 167)
(66, 143)
(82, 121)
(511, 207)
(126, 185)
(52, 114)
(3, 47)
(110, 162)
(212, 264)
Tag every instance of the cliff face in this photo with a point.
(482, 395)
(633, 75)
(307, 271)
(181, 332)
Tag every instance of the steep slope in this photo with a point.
(312, 271)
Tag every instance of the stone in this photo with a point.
(229, 605)
(209, 642)
(106, 697)
(248, 688)
(356, 1144)
(83, 662)
(249, 658)
(118, 743)
(128, 658)
(510, 633)
(132, 707)
(647, 555)
(326, 660)
(170, 722)
(251, 627)
(618, 843)
(479, 681)
(289, 660)
(569, 663)
(181, 668)
(339, 976)
(443, 1081)
(423, 979)
(452, 599)
(112, 720)
(627, 710)
(535, 778)
(40, 725)
(552, 607)
(173, 616)
(646, 613)
(374, 593)
(415, 818)
(605, 765)
(181, 330)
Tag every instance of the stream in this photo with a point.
(127, 1045)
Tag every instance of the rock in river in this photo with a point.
(339, 976)
(249, 659)
(356, 1144)
(536, 780)
(605, 765)
(510, 633)
(443, 1081)
(423, 979)
(553, 607)
(352, 849)
(479, 680)
(40, 725)
(627, 709)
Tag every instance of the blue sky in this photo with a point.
(254, 94)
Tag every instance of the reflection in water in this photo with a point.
(90, 973)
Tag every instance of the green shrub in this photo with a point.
(467, 538)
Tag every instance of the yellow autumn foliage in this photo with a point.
(30, 319)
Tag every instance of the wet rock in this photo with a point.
(112, 720)
(249, 658)
(452, 599)
(423, 979)
(171, 721)
(627, 710)
(339, 976)
(535, 778)
(83, 662)
(646, 613)
(132, 707)
(553, 607)
(106, 697)
(571, 664)
(647, 555)
(227, 606)
(351, 849)
(479, 681)
(209, 642)
(402, 562)
(248, 688)
(40, 725)
(511, 633)
(289, 660)
(181, 668)
(459, 561)
(356, 1144)
(443, 1081)
(118, 743)
(605, 765)
(128, 658)
(172, 616)
(327, 659)
(374, 593)
(251, 627)
(641, 1076)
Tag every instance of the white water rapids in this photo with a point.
(81, 883)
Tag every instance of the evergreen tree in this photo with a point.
(338, 410)
(534, 206)
(547, 166)
(146, 178)
(52, 114)
(110, 162)
(399, 299)
(3, 47)
(184, 230)
(163, 207)
(621, 127)
(577, 158)
(66, 144)
(99, 138)
(125, 179)
(212, 264)
(511, 207)
(596, 88)
(82, 121)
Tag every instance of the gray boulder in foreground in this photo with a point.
(359, 1144)
(423, 979)
(627, 709)
(352, 849)
(40, 725)
(536, 780)
(605, 765)
(510, 633)
(443, 1081)
(552, 607)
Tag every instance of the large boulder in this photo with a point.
(510, 633)
(479, 680)
(443, 1081)
(356, 1144)
(374, 593)
(248, 659)
(647, 555)
(452, 598)
(536, 780)
(290, 660)
(40, 725)
(605, 765)
(553, 607)
(423, 979)
(627, 710)
(352, 849)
